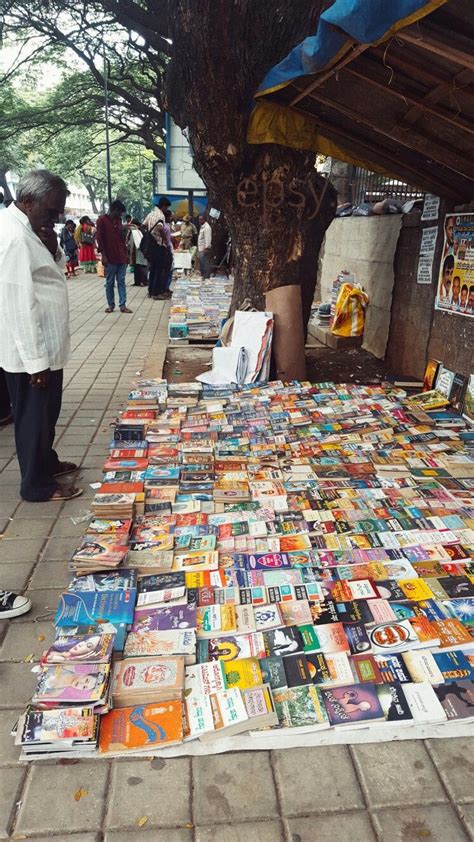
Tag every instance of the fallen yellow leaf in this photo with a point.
(41, 638)
(80, 793)
(28, 659)
(142, 821)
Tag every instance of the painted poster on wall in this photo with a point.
(455, 292)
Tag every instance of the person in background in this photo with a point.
(188, 233)
(111, 242)
(69, 246)
(154, 223)
(34, 331)
(85, 238)
(128, 219)
(136, 258)
(464, 294)
(204, 247)
(168, 269)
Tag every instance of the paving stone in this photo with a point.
(164, 795)
(166, 834)
(327, 828)
(7, 508)
(17, 684)
(69, 814)
(436, 823)
(398, 773)
(454, 759)
(60, 549)
(9, 752)
(242, 832)
(43, 605)
(47, 509)
(22, 527)
(15, 577)
(223, 789)
(467, 816)
(65, 528)
(50, 573)
(20, 549)
(337, 789)
(9, 492)
(25, 639)
(10, 787)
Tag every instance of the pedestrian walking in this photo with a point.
(136, 258)
(6, 416)
(156, 248)
(69, 246)
(85, 236)
(34, 330)
(111, 242)
(204, 247)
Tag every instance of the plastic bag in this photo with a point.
(363, 209)
(349, 317)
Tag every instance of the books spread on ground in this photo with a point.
(274, 559)
(198, 307)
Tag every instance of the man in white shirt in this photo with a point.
(204, 247)
(34, 330)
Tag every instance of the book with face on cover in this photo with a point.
(141, 727)
(89, 648)
(81, 684)
(147, 679)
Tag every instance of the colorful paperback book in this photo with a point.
(301, 707)
(141, 728)
(82, 684)
(457, 699)
(243, 673)
(231, 647)
(153, 677)
(352, 704)
(167, 618)
(90, 649)
(395, 705)
(56, 726)
(89, 607)
(214, 620)
(173, 642)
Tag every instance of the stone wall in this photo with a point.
(366, 247)
(417, 330)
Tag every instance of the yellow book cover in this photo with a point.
(416, 589)
(243, 673)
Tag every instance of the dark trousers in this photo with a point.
(5, 408)
(205, 264)
(159, 271)
(36, 412)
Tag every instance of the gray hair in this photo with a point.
(38, 183)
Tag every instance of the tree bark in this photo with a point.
(276, 205)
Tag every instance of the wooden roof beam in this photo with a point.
(418, 103)
(444, 155)
(413, 174)
(424, 40)
(322, 77)
(393, 59)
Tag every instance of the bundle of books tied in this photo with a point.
(273, 560)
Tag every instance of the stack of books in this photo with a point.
(198, 307)
(296, 557)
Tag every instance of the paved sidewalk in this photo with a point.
(393, 792)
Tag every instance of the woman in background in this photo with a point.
(85, 238)
(69, 246)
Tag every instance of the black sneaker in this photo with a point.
(13, 605)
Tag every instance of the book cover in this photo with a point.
(273, 671)
(395, 704)
(243, 673)
(168, 618)
(56, 725)
(365, 669)
(301, 707)
(353, 704)
(283, 641)
(392, 637)
(457, 699)
(454, 665)
(204, 679)
(148, 675)
(329, 670)
(90, 649)
(173, 642)
(297, 670)
(75, 609)
(73, 684)
(231, 647)
(392, 668)
(142, 727)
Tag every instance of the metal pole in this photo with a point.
(191, 203)
(140, 183)
(107, 138)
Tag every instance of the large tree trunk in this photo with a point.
(276, 206)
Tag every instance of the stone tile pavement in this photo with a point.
(391, 792)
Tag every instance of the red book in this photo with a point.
(133, 414)
(121, 487)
